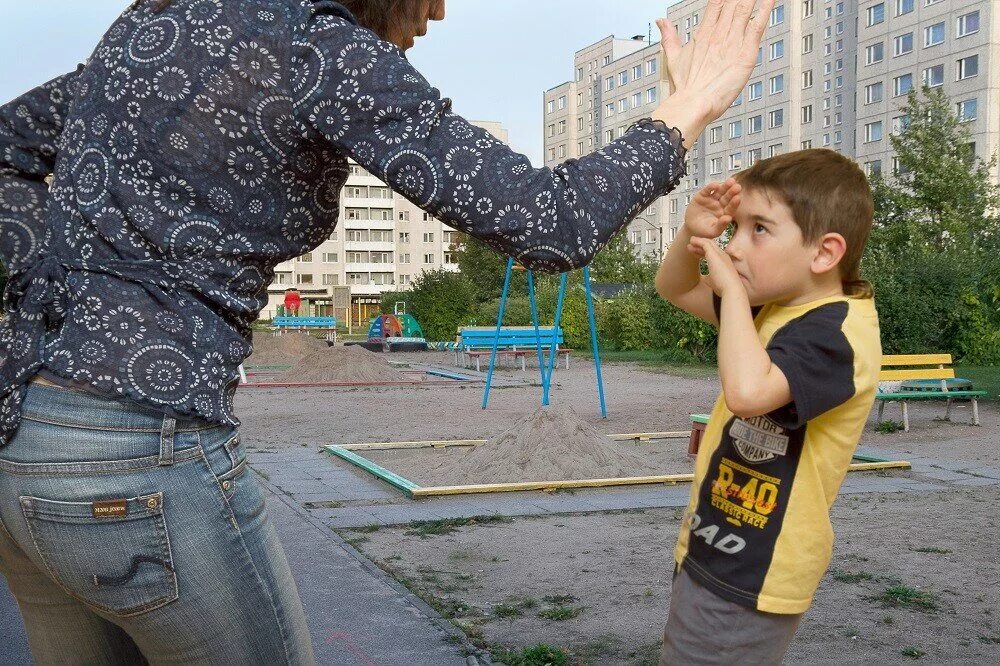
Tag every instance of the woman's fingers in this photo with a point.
(754, 30)
(724, 25)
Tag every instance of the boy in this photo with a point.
(799, 356)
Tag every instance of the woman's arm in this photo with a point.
(361, 94)
(30, 129)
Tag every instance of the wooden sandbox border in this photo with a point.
(413, 490)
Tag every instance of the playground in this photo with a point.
(588, 569)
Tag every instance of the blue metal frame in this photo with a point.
(548, 368)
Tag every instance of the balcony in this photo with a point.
(369, 246)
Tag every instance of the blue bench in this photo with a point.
(328, 324)
(475, 342)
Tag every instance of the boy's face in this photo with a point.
(768, 250)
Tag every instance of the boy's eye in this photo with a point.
(759, 228)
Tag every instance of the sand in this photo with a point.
(312, 360)
(550, 444)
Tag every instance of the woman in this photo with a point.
(204, 142)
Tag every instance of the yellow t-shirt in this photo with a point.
(757, 530)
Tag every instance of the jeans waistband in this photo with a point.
(80, 409)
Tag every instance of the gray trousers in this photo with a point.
(703, 628)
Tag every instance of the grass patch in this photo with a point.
(507, 610)
(559, 599)
(537, 655)
(428, 528)
(912, 652)
(888, 427)
(940, 551)
(848, 577)
(670, 361)
(908, 597)
(560, 613)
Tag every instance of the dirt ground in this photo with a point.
(914, 576)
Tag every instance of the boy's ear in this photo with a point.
(829, 251)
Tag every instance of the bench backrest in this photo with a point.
(896, 367)
(305, 322)
(510, 336)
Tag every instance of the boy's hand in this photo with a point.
(722, 275)
(712, 209)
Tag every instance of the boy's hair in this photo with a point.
(827, 193)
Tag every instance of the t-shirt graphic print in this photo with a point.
(757, 531)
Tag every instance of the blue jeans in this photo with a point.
(128, 537)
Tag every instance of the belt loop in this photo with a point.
(167, 441)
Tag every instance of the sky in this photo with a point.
(493, 59)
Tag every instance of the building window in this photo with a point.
(900, 123)
(776, 50)
(736, 129)
(551, 106)
(776, 118)
(651, 96)
(404, 258)
(777, 84)
(967, 110)
(876, 14)
(636, 99)
(807, 43)
(968, 67)
(735, 161)
(903, 7)
(609, 83)
(807, 114)
(808, 8)
(609, 136)
(623, 105)
(304, 278)
(404, 215)
(773, 150)
(902, 85)
(903, 44)
(305, 258)
(966, 24)
(873, 167)
(874, 54)
(330, 257)
(715, 135)
(807, 79)
(755, 91)
(934, 34)
(651, 67)
(562, 101)
(428, 237)
(755, 124)
(874, 92)
(715, 167)
(622, 78)
(609, 110)
(777, 16)
(428, 258)
(873, 131)
(404, 237)
(330, 279)
(753, 156)
(637, 72)
(934, 76)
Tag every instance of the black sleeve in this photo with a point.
(361, 94)
(717, 304)
(818, 361)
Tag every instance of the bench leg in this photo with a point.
(881, 408)
(567, 360)
(947, 411)
(906, 417)
(524, 367)
(477, 365)
(975, 411)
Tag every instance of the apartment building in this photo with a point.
(829, 73)
(382, 242)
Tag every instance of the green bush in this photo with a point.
(672, 328)
(441, 301)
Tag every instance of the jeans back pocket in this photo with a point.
(113, 555)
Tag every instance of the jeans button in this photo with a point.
(151, 503)
(226, 485)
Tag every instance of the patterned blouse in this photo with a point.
(200, 146)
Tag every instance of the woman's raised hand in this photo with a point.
(709, 72)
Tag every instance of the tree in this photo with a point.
(942, 196)
(619, 263)
(441, 301)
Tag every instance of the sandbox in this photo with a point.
(549, 449)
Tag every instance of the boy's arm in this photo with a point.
(679, 280)
(751, 383)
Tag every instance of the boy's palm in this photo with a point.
(712, 209)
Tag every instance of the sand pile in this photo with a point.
(312, 360)
(551, 444)
(287, 349)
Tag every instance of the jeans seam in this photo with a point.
(84, 426)
(228, 512)
(145, 608)
(92, 467)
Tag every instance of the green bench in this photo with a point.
(899, 367)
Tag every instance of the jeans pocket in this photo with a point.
(112, 555)
(228, 462)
